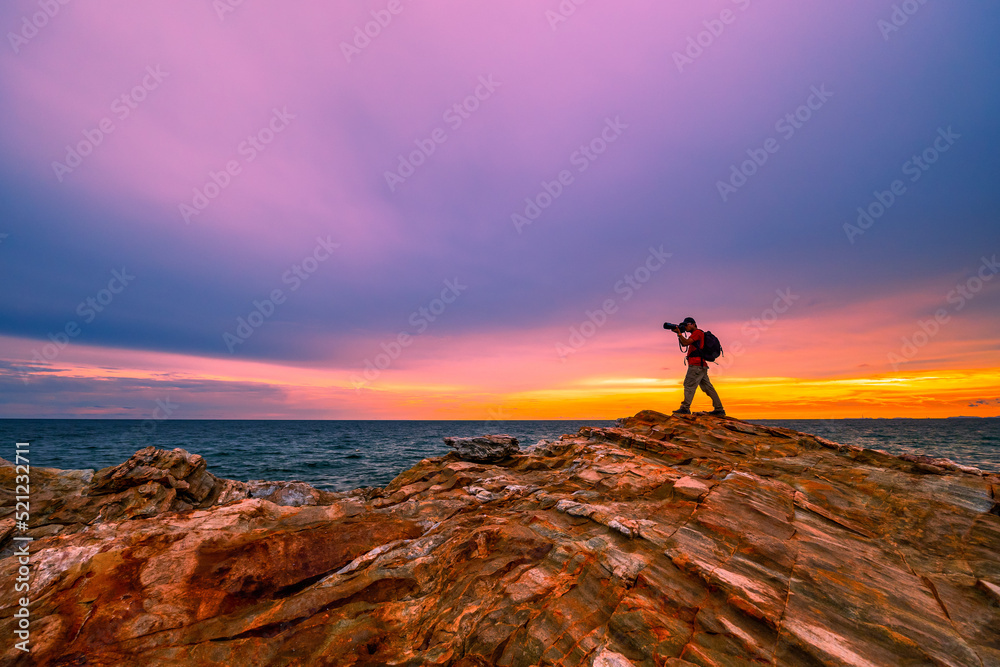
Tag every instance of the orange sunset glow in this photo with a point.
(255, 221)
(610, 376)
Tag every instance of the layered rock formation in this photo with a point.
(667, 541)
(484, 449)
(151, 482)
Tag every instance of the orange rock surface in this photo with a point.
(665, 541)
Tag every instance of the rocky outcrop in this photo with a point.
(484, 449)
(664, 541)
(151, 482)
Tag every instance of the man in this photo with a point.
(697, 372)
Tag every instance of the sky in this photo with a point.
(453, 210)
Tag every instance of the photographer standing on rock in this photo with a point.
(697, 372)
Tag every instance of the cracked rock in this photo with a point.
(484, 449)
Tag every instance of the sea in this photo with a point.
(343, 455)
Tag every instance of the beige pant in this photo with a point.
(697, 376)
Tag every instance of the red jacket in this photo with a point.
(696, 340)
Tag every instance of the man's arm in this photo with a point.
(687, 341)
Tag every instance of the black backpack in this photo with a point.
(711, 349)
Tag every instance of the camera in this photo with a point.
(671, 327)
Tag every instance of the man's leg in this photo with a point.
(706, 386)
(691, 380)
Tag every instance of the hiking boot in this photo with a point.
(682, 411)
(718, 412)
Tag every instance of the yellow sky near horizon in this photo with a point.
(127, 383)
(942, 394)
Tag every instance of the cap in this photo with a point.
(688, 320)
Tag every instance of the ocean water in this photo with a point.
(344, 455)
(330, 455)
(967, 440)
